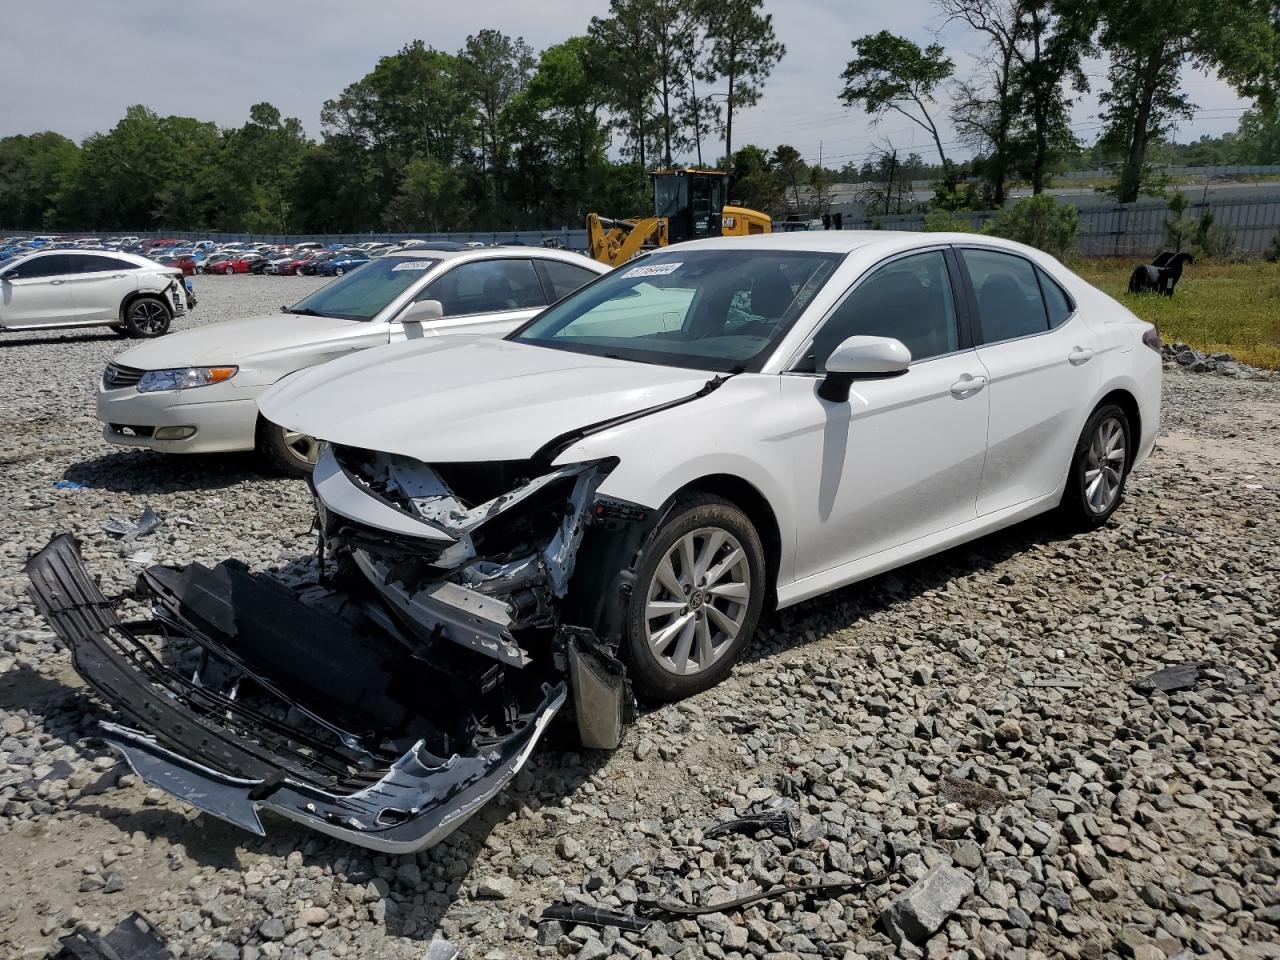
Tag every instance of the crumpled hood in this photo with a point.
(235, 341)
(466, 398)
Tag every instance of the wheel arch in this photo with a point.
(133, 296)
(1126, 401)
(747, 497)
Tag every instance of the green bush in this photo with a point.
(1039, 222)
(944, 221)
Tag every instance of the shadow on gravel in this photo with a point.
(145, 471)
(786, 629)
(46, 339)
(22, 688)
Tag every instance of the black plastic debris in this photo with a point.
(777, 821)
(134, 938)
(1186, 676)
(132, 529)
(596, 916)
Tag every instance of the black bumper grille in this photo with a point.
(117, 376)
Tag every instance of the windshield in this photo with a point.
(364, 294)
(720, 310)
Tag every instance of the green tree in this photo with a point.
(891, 73)
(1149, 42)
(34, 172)
(786, 160)
(494, 70)
(1039, 222)
(260, 162)
(744, 51)
(754, 182)
(621, 53)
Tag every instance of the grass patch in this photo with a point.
(1217, 307)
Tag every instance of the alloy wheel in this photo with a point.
(301, 445)
(1104, 465)
(149, 316)
(697, 600)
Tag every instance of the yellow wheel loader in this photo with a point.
(687, 205)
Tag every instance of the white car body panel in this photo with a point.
(32, 302)
(272, 347)
(98, 295)
(908, 466)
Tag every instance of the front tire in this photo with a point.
(1099, 469)
(338, 271)
(147, 317)
(288, 451)
(699, 590)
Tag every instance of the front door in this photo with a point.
(902, 458)
(35, 293)
(486, 297)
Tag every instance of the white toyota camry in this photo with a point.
(609, 497)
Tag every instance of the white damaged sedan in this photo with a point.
(609, 498)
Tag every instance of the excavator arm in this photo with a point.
(616, 241)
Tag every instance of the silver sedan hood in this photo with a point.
(463, 398)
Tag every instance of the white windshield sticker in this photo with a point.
(652, 270)
(413, 265)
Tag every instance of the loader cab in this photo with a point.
(692, 201)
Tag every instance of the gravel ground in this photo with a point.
(967, 725)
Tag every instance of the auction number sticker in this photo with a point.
(653, 270)
(413, 265)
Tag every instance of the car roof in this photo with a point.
(484, 253)
(72, 252)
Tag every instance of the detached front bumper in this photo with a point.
(243, 694)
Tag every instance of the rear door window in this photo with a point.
(1056, 300)
(565, 277)
(1008, 294)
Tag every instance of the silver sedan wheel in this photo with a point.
(301, 445)
(1104, 465)
(697, 600)
(149, 316)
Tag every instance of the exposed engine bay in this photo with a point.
(458, 607)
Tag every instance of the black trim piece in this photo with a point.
(544, 456)
(961, 299)
(970, 294)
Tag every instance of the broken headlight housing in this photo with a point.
(184, 378)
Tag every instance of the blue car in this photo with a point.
(342, 263)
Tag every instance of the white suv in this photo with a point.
(90, 288)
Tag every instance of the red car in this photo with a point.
(242, 264)
(294, 267)
(184, 263)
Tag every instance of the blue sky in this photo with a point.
(75, 65)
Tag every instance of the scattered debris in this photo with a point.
(1056, 684)
(835, 889)
(144, 557)
(131, 529)
(776, 821)
(134, 938)
(440, 949)
(68, 485)
(969, 794)
(1185, 676)
(596, 916)
(924, 907)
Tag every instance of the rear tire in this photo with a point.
(1099, 469)
(338, 271)
(287, 450)
(147, 317)
(699, 590)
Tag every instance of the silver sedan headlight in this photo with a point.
(183, 378)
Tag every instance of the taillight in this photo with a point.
(1151, 338)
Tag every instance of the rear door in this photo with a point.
(101, 284)
(1037, 355)
(491, 297)
(35, 293)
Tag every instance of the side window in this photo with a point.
(488, 286)
(52, 265)
(1056, 300)
(1009, 301)
(97, 264)
(565, 277)
(909, 299)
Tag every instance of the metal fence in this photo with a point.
(1182, 170)
(1129, 229)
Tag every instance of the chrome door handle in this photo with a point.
(117, 276)
(1079, 355)
(967, 386)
